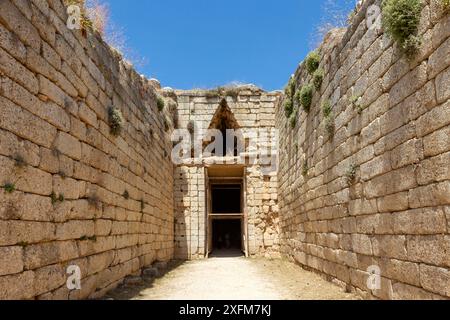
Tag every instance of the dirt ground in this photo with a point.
(234, 278)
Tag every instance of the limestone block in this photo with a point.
(44, 254)
(25, 125)
(68, 145)
(392, 203)
(74, 230)
(16, 21)
(25, 232)
(430, 195)
(362, 244)
(11, 261)
(429, 249)
(22, 206)
(435, 119)
(17, 287)
(437, 142)
(408, 153)
(435, 279)
(48, 278)
(390, 246)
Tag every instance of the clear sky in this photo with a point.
(205, 43)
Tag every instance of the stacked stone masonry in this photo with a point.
(82, 196)
(376, 190)
(252, 109)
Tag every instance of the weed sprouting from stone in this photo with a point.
(351, 174)
(9, 187)
(288, 107)
(305, 96)
(94, 201)
(293, 119)
(318, 78)
(327, 109)
(160, 103)
(115, 121)
(55, 198)
(312, 62)
(305, 169)
(19, 161)
(62, 174)
(401, 19)
(356, 103)
(290, 93)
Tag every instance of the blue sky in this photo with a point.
(205, 43)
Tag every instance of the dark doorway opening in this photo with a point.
(226, 199)
(227, 237)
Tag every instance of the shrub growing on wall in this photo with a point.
(327, 110)
(288, 107)
(306, 95)
(289, 91)
(401, 19)
(160, 103)
(9, 187)
(312, 62)
(293, 118)
(115, 120)
(318, 78)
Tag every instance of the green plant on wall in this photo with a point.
(115, 121)
(9, 187)
(19, 161)
(318, 78)
(289, 92)
(160, 103)
(55, 199)
(312, 62)
(356, 102)
(351, 174)
(305, 169)
(288, 107)
(293, 118)
(401, 19)
(327, 111)
(305, 97)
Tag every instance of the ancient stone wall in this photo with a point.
(72, 193)
(252, 109)
(371, 187)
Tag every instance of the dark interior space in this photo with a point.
(227, 235)
(226, 199)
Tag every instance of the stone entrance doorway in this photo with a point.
(226, 213)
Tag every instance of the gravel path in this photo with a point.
(235, 279)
